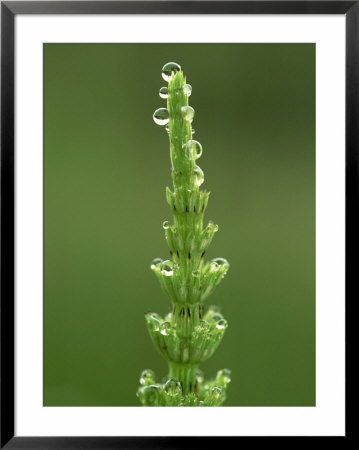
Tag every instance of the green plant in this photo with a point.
(187, 335)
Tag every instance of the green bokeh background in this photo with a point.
(106, 165)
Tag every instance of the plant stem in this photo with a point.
(188, 335)
(186, 374)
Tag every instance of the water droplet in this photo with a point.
(167, 268)
(196, 273)
(199, 376)
(193, 149)
(216, 392)
(155, 262)
(217, 317)
(198, 176)
(212, 227)
(201, 403)
(166, 225)
(221, 262)
(187, 89)
(167, 128)
(193, 131)
(154, 315)
(147, 377)
(173, 388)
(169, 69)
(153, 319)
(225, 375)
(165, 328)
(222, 324)
(161, 116)
(187, 113)
(150, 394)
(163, 93)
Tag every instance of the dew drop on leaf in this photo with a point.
(225, 375)
(161, 116)
(216, 392)
(198, 176)
(147, 377)
(169, 69)
(222, 324)
(193, 149)
(187, 113)
(155, 262)
(221, 262)
(187, 89)
(163, 93)
(150, 394)
(167, 268)
(217, 317)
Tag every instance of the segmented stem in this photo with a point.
(188, 335)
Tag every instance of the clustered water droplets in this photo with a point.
(161, 115)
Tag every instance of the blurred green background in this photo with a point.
(106, 165)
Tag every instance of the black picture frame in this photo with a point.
(9, 10)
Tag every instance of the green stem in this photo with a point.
(189, 336)
(186, 374)
(185, 317)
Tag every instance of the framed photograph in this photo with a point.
(179, 197)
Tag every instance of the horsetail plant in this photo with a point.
(188, 335)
